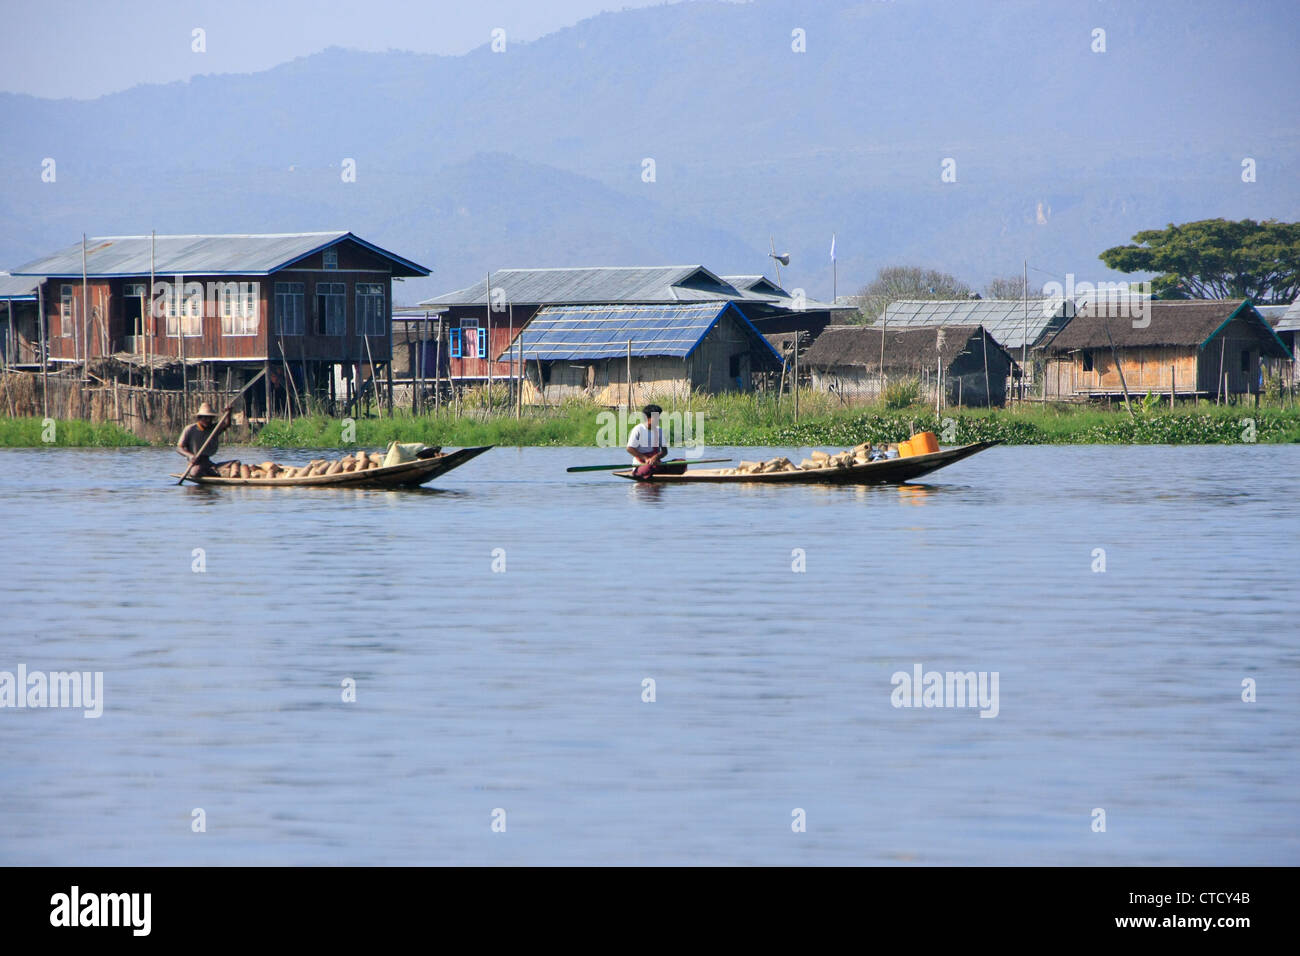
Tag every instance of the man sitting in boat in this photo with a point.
(646, 445)
(207, 430)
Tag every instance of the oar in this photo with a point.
(630, 464)
(208, 440)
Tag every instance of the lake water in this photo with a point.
(521, 690)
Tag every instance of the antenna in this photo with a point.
(781, 260)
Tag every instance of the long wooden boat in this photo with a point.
(409, 474)
(888, 471)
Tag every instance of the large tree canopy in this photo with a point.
(1217, 259)
(906, 282)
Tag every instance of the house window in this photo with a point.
(330, 259)
(733, 367)
(183, 309)
(290, 308)
(331, 308)
(472, 337)
(456, 345)
(65, 311)
(1245, 361)
(133, 307)
(370, 308)
(237, 304)
(1087, 361)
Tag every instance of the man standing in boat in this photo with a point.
(207, 430)
(646, 445)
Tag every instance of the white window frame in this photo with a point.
(330, 258)
(65, 311)
(285, 292)
(187, 315)
(238, 309)
(370, 308)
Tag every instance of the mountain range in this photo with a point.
(537, 156)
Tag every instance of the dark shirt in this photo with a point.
(193, 437)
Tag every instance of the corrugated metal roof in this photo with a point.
(1006, 320)
(616, 285)
(757, 284)
(596, 285)
(1290, 320)
(109, 256)
(17, 287)
(585, 332)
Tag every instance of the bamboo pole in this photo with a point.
(182, 306)
(797, 336)
(629, 373)
(45, 368)
(988, 391)
(1118, 367)
(1223, 376)
(153, 238)
(85, 315)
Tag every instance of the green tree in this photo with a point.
(1216, 259)
(906, 282)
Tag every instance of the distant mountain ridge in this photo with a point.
(535, 156)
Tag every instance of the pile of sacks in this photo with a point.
(359, 461)
(858, 455)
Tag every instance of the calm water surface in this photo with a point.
(522, 689)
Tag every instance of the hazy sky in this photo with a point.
(85, 48)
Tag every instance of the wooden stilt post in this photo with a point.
(45, 369)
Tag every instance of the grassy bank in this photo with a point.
(31, 433)
(748, 420)
(751, 420)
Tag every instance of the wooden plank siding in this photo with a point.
(468, 366)
(109, 303)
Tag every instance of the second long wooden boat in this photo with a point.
(408, 474)
(888, 471)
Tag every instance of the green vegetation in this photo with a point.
(1216, 259)
(31, 433)
(738, 419)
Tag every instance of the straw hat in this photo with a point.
(205, 411)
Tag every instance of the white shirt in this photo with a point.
(646, 440)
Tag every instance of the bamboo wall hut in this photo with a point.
(1180, 348)
(963, 361)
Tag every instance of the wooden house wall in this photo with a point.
(1145, 370)
(710, 363)
(505, 329)
(24, 338)
(108, 302)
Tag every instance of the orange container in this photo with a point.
(905, 449)
(924, 444)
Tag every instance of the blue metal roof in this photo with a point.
(586, 332)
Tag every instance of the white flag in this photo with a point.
(832, 247)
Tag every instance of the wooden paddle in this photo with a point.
(208, 440)
(632, 464)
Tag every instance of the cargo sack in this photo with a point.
(399, 453)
